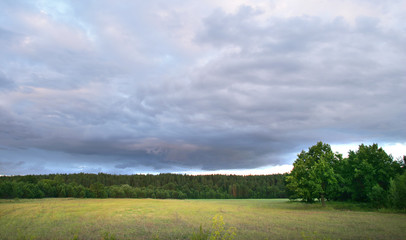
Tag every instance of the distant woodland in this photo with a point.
(177, 186)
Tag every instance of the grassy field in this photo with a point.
(178, 219)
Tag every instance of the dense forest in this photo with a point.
(83, 185)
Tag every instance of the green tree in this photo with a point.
(364, 169)
(313, 174)
(6, 189)
(397, 192)
(98, 190)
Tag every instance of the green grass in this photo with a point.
(178, 219)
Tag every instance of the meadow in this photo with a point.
(69, 218)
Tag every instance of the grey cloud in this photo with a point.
(331, 75)
(6, 83)
(7, 36)
(109, 101)
(12, 130)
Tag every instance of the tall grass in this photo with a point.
(179, 219)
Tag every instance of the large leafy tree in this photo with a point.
(313, 173)
(367, 170)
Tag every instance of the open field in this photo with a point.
(178, 219)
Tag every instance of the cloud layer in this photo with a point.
(191, 85)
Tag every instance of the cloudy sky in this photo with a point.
(228, 86)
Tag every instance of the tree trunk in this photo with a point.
(323, 202)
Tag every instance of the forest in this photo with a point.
(177, 186)
(368, 175)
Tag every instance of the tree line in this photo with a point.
(177, 186)
(367, 175)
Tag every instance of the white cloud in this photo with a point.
(286, 168)
(397, 150)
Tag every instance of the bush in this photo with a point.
(217, 232)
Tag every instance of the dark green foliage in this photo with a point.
(13, 189)
(143, 186)
(6, 189)
(98, 190)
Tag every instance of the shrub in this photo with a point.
(217, 231)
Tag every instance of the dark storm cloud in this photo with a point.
(87, 87)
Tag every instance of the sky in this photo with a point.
(231, 86)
